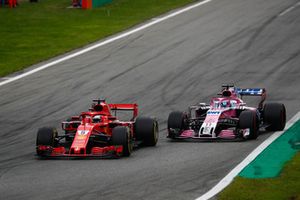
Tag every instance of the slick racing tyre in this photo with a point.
(176, 123)
(146, 130)
(274, 114)
(249, 120)
(46, 136)
(121, 136)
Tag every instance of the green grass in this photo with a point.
(284, 187)
(34, 32)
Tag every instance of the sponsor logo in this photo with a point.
(252, 91)
(83, 132)
(214, 112)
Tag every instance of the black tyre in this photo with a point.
(121, 136)
(176, 121)
(146, 130)
(274, 114)
(249, 120)
(46, 136)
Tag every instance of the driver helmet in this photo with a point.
(96, 119)
(224, 104)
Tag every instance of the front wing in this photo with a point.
(190, 135)
(96, 152)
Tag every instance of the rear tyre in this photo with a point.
(121, 136)
(46, 136)
(176, 123)
(146, 130)
(249, 120)
(275, 115)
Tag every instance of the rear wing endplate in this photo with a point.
(129, 107)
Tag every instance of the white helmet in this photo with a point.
(96, 119)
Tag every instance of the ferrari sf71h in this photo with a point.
(227, 117)
(98, 133)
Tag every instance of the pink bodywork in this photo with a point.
(225, 134)
(220, 107)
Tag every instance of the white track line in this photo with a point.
(289, 9)
(110, 40)
(233, 173)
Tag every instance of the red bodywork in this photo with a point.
(83, 127)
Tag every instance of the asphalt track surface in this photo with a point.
(166, 67)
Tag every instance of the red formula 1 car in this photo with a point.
(98, 133)
(227, 117)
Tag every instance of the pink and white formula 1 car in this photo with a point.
(227, 117)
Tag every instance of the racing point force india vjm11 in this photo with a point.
(98, 133)
(227, 117)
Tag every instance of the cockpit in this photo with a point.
(224, 103)
(97, 119)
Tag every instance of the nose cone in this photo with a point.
(77, 150)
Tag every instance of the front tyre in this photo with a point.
(176, 123)
(248, 120)
(146, 130)
(275, 116)
(121, 136)
(46, 136)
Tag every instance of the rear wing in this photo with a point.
(253, 92)
(125, 107)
